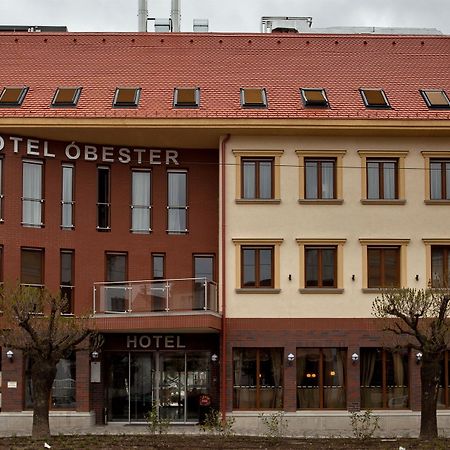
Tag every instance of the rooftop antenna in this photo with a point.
(142, 16)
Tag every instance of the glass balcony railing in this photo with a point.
(156, 296)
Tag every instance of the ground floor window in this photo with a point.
(257, 378)
(384, 378)
(444, 382)
(321, 378)
(63, 390)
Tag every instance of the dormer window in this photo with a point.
(374, 98)
(66, 96)
(126, 97)
(253, 98)
(314, 97)
(13, 96)
(186, 97)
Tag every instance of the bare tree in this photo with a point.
(420, 318)
(38, 328)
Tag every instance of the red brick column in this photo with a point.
(353, 380)
(83, 380)
(12, 372)
(290, 381)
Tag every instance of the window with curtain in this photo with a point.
(67, 278)
(67, 200)
(440, 179)
(320, 267)
(440, 263)
(32, 266)
(32, 194)
(320, 178)
(382, 179)
(257, 178)
(384, 378)
(177, 202)
(116, 293)
(257, 267)
(321, 378)
(444, 382)
(141, 201)
(257, 378)
(103, 199)
(383, 267)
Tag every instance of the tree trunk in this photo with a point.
(43, 373)
(429, 374)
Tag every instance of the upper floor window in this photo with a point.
(1, 190)
(32, 194)
(203, 274)
(67, 278)
(320, 178)
(253, 98)
(66, 96)
(67, 197)
(32, 266)
(384, 378)
(177, 202)
(12, 96)
(116, 294)
(374, 98)
(186, 97)
(440, 265)
(383, 266)
(314, 97)
(257, 267)
(320, 266)
(257, 178)
(103, 199)
(440, 179)
(159, 289)
(141, 201)
(435, 98)
(321, 378)
(126, 97)
(382, 179)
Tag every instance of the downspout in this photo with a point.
(223, 352)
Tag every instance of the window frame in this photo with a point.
(319, 268)
(257, 105)
(107, 204)
(314, 103)
(41, 252)
(65, 165)
(429, 244)
(424, 94)
(400, 156)
(41, 200)
(158, 255)
(189, 105)
(66, 104)
(382, 266)
(429, 157)
(20, 98)
(257, 264)
(241, 155)
(178, 207)
(367, 104)
(319, 173)
(380, 177)
(400, 243)
(257, 162)
(133, 104)
(71, 286)
(148, 207)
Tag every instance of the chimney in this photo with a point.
(142, 16)
(175, 15)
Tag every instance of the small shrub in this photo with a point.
(156, 425)
(214, 424)
(364, 424)
(275, 425)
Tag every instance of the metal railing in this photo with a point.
(155, 296)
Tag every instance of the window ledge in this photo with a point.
(320, 201)
(248, 201)
(321, 291)
(397, 201)
(437, 202)
(257, 291)
(372, 290)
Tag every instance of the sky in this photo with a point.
(227, 15)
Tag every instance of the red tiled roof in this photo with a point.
(220, 64)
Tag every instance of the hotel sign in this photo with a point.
(154, 342)
(88, 152)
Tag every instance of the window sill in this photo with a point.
(321, 201)
(372, 290)
(397, 201)
(437, 202)
(257, 291)
(321, 291)
(257, 201)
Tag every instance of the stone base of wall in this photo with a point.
(337, 423)
(61, 422)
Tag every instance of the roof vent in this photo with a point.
(285, 24)
(200, 25)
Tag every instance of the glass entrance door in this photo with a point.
(172, 388)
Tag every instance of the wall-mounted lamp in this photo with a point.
(355, 357)
(417, 277)
(214, 358)
(290, 358)
(353, 277)
(94, 355)
(419, 356)
(10, 355)
(290, 277)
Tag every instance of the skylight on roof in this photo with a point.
(13, 96)
(374, 98)
(126, 97)
(186, 97)
(66, 96)
(435, 98)
(314, 97)
(253, 97)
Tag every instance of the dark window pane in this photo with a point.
(265, 179)
(373, 180)
(265, 267)
(327, 179)
(391, 267)
(203, 267)
(389, 180)
(249, 267)
(435, 180)
(374, 267)
(66, 268)
(312, 267)
(328, 269)
(158, 266)
(103, 185)
(308, 367)
(249, 179)
(116, 267)
(371, 374)
(31, 267)
(311, 179)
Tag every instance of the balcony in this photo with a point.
(187, 296)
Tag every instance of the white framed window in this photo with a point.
(177, 206)
(141, 201)
(67, 196)
(32, 194)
